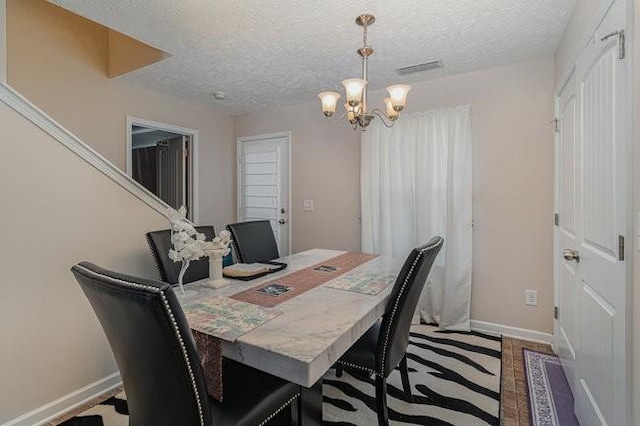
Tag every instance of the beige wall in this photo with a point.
(59, 61)
(573, 39)
(636, 221)
(325, 167)
(512, 178)
(58, 211)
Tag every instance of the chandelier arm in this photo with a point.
(383, 117)
(337, 120)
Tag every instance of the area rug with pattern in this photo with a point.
(455, 380)
(550, 398)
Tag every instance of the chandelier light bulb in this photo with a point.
(329, 101)
(354, 88)
(391, 112)
(351, 115)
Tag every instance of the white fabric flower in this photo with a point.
(189, 244)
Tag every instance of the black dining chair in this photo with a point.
(160, 243)
(254, 241)
(384, 346)
(160, 368)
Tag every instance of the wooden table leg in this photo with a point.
(311, 405)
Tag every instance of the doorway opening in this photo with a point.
(162, 158)
(263, 184)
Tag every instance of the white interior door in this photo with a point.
(567, 280)
(592, 196)
(263, 184)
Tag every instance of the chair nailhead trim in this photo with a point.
(265, 421)
(173, 322)
(395, 306)
(348, 364)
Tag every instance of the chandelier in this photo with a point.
(356, 91)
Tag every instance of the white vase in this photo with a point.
(215, 268)
(183, 269)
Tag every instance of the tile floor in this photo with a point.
(514, 404)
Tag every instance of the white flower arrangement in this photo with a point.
(189, 244)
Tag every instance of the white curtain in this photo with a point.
(416, 183)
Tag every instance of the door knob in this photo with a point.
(282, 221)
(570, 254)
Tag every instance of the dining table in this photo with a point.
(312, 329)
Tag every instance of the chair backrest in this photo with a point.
(160, 243)
(394, 331)
(152, 344)
(254, 241)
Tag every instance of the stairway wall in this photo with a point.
(57, 210)
(59, 61)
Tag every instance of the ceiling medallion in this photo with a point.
(356, 91)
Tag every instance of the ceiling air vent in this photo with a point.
(427, 66)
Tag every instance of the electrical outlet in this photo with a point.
(307, 205)
(531, 297)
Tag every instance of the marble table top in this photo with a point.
(315, 328)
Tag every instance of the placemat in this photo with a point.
(226, 318)
(362, 282)
(303, 280)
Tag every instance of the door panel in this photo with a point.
(598, 144)
(263, 184)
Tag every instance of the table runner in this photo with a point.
(221, 318)
(210, 351)
(304, 280)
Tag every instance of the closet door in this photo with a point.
(594, 261)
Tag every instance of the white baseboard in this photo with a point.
(508, 331)
(69, 402)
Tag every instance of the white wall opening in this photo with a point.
(163, 159)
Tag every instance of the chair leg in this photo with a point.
(404, 375)
(339, 370)
(381, 401)
(295, 412)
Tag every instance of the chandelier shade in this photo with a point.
(356, 92)
(398, 94)
(354, 87)
(329, 101)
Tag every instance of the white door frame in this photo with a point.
(254, 138)
(193, 156)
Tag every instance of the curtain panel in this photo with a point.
(416, 183)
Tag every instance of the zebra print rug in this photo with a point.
(455, 380)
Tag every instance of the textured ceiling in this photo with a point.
(279, 52)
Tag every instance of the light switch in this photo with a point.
(307, 205)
